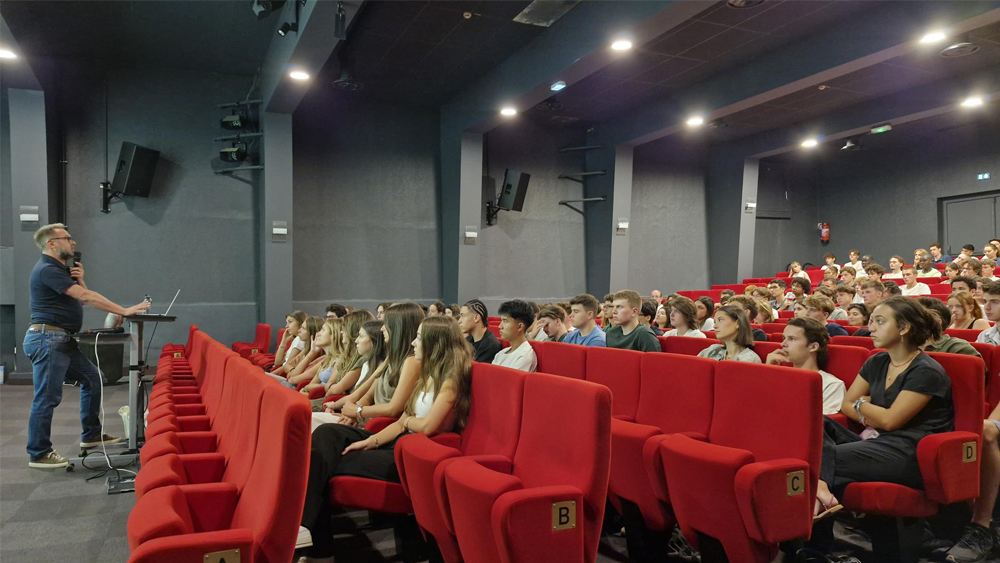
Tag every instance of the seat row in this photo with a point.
(224, 467)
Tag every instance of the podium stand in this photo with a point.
(137, 370)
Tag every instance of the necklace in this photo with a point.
(904, 363)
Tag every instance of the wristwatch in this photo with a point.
(359, 410)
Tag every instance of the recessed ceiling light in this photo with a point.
(508, 112)
(973, 102)
(621, 45)
(809, 143)
(696, 121)
(556, 86)
(5, 54)
(933, 37)
(298, 75)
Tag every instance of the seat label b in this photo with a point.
(564, 515)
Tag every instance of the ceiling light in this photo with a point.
(852, 144)
(508, 112)
(933, 37)
(973, 102)
(881, 128)
(809, 143)
(286, 28)
(556, 86)
(696, 121)
(621, 45)
(298, 75)
(5, 54)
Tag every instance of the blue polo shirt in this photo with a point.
(597, 337)
(49, 303)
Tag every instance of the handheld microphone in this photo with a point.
(72, 261)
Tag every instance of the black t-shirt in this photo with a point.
(759, 335)
(863, 332)
(925, 376)
(49, 303)
(834, 329)
(486, 348)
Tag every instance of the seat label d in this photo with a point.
(968, 452)
(564, 515)
(796, 482)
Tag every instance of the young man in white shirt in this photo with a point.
(855, 262)
(991, 297)
(912, 287)
(871, 293)
(830, 259)
(515, 318)
(583, 317)
(804, 346)
(989, 267)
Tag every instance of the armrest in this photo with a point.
(448, 440)
(473, 490)
(211, 505)
(316, 393)
(203, 468)
(653, 462)
(193, 423)
(496, 463)
(190, 409)
(198, 442)
(188, 399)
(628, 475)
(771, 513)
(523, 522)
(379, 423)
(623, 417)
(417, 456)
(840, 419)
(949, 464)
(192, 548)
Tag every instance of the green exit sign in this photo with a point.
(983, 176)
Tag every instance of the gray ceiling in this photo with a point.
(216, 36)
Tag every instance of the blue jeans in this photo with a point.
(54, 355)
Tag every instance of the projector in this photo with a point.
(232, 122)
(233, 154)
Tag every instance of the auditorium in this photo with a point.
(500, 281)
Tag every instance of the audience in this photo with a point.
(627, 332)
(535, 332)
(777, 288)
(351, 360)
(705, 307)
(804, 345)
(318, 357)
(290, 345)
(647, 313)
(683, 319)
(567, 308)
(474, 323)
(939, 258)
(925, 266)
(381, 309)
(515, 318)
(724, 297)
(299, 362)
(732, 328)
(845, 296)
(655, 294)
(750, 309)
(963, 283)
(436, 309)
(967, 251)
(891, 288)
(830, 259)
(991, 295)
(988, 266)
(945, 343)
(454, 311)
(855, 262)
(972, 268)
(765, 314)
(838, 314)
(662, 318)
(895, 268)
(335, 311)
(951, 271)
(583, 317)
(912, 286)
(607, 319)
(874, 272)
(872, 292)
(553, 321)
(859, 314)
(965, 312)
(795, 271)
(847, 276)
(819, 308)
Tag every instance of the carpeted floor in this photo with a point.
(59, 516)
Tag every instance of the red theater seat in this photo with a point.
(860, 341)
(731, 492)
(261, 342)
(685, 344)
(618, 370)
(508, 514)
(965, 334)
(567, 360)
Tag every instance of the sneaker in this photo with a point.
(974, 546)
(97, 441)
(305, 538)
(51, 460)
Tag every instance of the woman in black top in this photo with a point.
(858, 314)
(900, 396)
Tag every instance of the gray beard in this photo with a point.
(65, 255)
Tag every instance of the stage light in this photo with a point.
(809, 143)
(286, 28)
(556, 86)
(972, 102)
(298, 75)
(5, 54)
(508, 112)
(933, 37)
(696, 121)
(264, 8)
(621, 45)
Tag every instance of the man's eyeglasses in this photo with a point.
(62, 238)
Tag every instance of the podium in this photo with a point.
(137, 371)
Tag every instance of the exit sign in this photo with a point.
(983, 176)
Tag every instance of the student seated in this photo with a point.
(963, 283)
(800, 308)
(454, 311)
(988, 266)
(818, 308)
(874, 272)
(438, 401)
(830, 259)
(795, 271)
(515, 318)
(965, 312)
(845, 297)
(324, 351)
(436, 309)
(858, 314)
(724, 296)
(705, 308)
(683, 319)
(567, 308)
(780, 295)
(294, 366)
(371, 344)
(829, 283)
(854, 261)
(891, 288)
(895, 268)
(765, 314)
(290, 345)
(991, 295)
(473, 321)
(799, 289)
(952, 271)
(335, 311)
(839, 313)
(972, 268)
(939, 258)
(911, 286)
(662, 318)
(535, 332)
(899, 396)
(945, 343)
(628, 333)
(847, 276)
(750, 309)
(656, 294)
(732, 328)
(585, 308)
(607, 317)
(646, 315)
(803, 345)
(967, 251)
(381, 309)
(553, 321)
(977, 294)
(872, 291)
(344, 376)
(925, 266)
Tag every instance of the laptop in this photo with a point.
(147, 314)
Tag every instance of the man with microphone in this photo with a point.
(58, 294)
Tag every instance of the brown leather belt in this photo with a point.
(46, 327)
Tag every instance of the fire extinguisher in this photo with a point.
(824, 232)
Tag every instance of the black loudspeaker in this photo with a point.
(134, 170)
(515, 186)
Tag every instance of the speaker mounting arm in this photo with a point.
(585, 200)
(107, 194)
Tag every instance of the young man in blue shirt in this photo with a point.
(584, 312)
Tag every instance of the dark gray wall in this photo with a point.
(195, 232)
(668, 228)
(365, 208)
(786, 218)
(536, 254)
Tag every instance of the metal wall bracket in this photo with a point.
(585, 200)
(240, 168)
(584, 148)
(577, 176)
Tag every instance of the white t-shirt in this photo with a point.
(801, 274)
(838, 314)
(709, 324)
(364, 375)
(990, 336)
(892, 276)
(523, 358)
(833, 393)
(690, 333)
(934, 273)
(859, 269)
(918, 289)
(827, 267)
(297, 344)
(541, 336)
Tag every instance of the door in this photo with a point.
(970, 221)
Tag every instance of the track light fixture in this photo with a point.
(288, 27)
(340, 22)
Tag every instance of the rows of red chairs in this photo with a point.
(223, 470)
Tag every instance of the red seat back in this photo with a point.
(862, 341)
(568, 360)
(764, 348)
(993, 379)
(187, 347)
(262, 340)
(495, 330)
(252, 384)
(969, 335)
(845, 361)
(786, 314)
(685, 344)
(776, 337)
(495, 411)
(686, 383)
(772, 328)
(967, 391)
(618, 370)
(579, 413)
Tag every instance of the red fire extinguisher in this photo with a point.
(824, 232)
